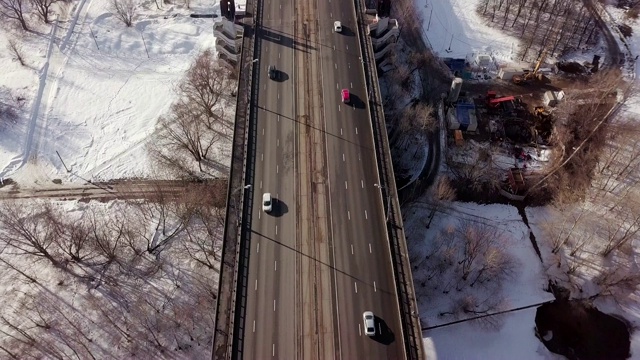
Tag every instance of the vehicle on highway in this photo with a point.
(345, 96)
(267, 202)
(337, 26)
(273, 74)
(369, 323)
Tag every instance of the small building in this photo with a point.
(483, 60)
(550, 98)
(463, 117)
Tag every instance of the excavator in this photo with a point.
(527, 77)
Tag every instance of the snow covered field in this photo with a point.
(101, 92)
(454, 29)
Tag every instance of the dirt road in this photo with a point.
(213, 191)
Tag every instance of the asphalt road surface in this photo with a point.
(321, 258)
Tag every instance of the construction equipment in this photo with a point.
(528, 76)
(540, 112)
(493, 100)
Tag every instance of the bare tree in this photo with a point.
(14, 10)
(42, 7)
(624, 230)
(186, 131)
(16, 50)
(125, 10)
(483, 255)
(206, 84)
(440, 194)
(30, 233)
(479, 175)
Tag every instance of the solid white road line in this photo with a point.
(369, 248)
(365, 214)
(340, 131)
(349, 214)
(359, 330)
(361, 183)
(254, 326)
(345, 185)
(351, 252)
(356, 287)
(356, 131)
(343, 157)
(374, 287)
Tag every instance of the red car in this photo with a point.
(345, 96)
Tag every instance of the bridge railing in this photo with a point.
(226, 316)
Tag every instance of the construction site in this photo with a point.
(501, 124)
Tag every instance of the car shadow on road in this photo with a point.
(384, 335)
(347, 31)
(279, 208)
(281, 76)
(356, 102)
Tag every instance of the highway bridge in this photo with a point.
(296, 281)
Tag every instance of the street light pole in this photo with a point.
(239, 201)
(388, 199)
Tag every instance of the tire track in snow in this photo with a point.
(52, 90)
(35, 132)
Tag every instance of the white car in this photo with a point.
(337, 26)
(369, 323)
(267, 202)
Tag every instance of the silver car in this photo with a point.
(337, 26)
(369, 323)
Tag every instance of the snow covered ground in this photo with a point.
(476, 339)
(453, 29)
(100, 91)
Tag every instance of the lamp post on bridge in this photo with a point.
(381, 187)
(239, 201)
